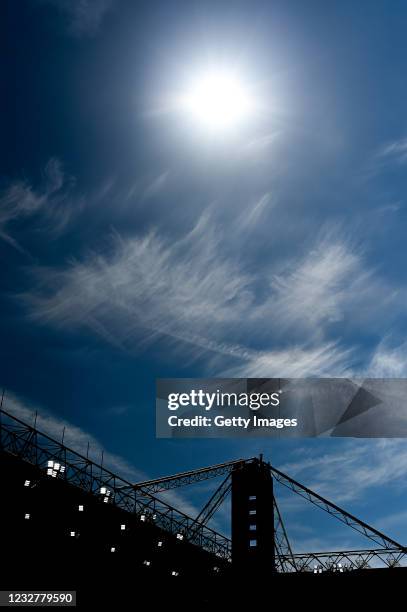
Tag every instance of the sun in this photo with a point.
(218, 100)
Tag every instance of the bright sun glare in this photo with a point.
(218, 101)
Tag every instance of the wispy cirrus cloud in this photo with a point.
(50, 203)
(148, 288)
(74, 437)
(388, 360)
(394, 151)
(347, 474)
(330, 283)
(326, 359)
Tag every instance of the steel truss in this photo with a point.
(285, 560)
(342, 515)
(29, 444)
(348, 560)
(191, 477)
(215, 501)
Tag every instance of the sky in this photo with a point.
(135, 243)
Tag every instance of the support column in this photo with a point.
(252, 519)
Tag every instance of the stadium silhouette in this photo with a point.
(69, 523)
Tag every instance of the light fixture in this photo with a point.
(147, 563)
(27, 483)
(160, 544)
(106, 493)
(122, 527)
(80, 508)
(54, 468)
(174, 573)
(113, 549)
(143, 518)
(73, 534)
(27, 515)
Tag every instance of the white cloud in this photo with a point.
(74, 437)
(349, 473)
(251, 217)
(148, 288)
(178, 289)
(328, 284)
(156, 185)
(394, 151)
(388, 361)
(51, 203)
(391, 521)
(326, 359)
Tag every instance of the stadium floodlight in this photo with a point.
(54, 468)
(80, 508)
(27, 515)
(160, 544)
(106, 493)
(27, 483)
(122, 527)
(113, 549)
(180, 536)
(73, 534)
(174, 573)
(147, 563)
(143, 518)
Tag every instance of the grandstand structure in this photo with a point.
(66, 518)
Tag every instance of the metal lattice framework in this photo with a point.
(27, 443)
(285, 560)
(30, 445)
(348, 560)
(341, 515)
(185, 478)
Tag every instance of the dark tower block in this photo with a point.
(252, 519)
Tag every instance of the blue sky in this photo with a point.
(135, 245)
